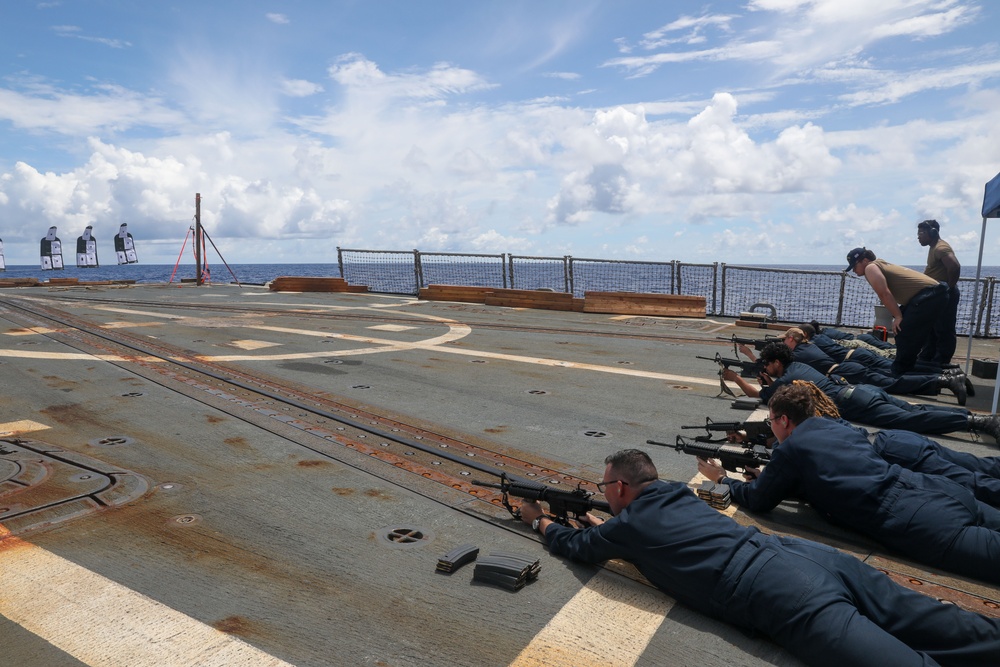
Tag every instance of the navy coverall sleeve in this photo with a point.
(776, 482)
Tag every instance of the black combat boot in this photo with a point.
(955, 385)
(969, 388)
(988, 424)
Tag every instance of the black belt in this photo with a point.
(927, 293)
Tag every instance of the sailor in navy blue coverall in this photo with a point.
(824, 606)
(863, 403)
(921, 454)
(878, 364)
(815, 357)
(832, 466)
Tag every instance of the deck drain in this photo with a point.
(133, 394)
(404, 537)
(679, 386)
(187, 519)
(361, 386)
(112, 440)
(333, 361)
(591, 433)
(537, 392)
(625, 363)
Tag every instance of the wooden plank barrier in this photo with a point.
(310, 284)
(18, 282)
(526, 298)
(757, 324)
(636, 303)
(462, 293)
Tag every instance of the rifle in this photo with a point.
(561, 503)
(757, 432)
(748, 369)
(735, 458)
(757, 343)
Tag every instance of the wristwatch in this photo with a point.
(536, 524)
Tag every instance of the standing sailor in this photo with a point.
(942, 266)
(904, 293)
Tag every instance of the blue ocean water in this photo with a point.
(259, 274)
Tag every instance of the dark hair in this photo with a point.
(816, 327)
(793, 401)
(776, 352)
(809, 330)
(633, 466)
(931, 227)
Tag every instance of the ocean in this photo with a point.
(260, 274)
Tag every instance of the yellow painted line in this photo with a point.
(130, 325)
(455, 332)
(21, 426)
(253, 344)
(34, 331)
(104, 624)
(147, 313)
(610, 621)
(390, 327)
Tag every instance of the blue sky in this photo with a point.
(758, 131)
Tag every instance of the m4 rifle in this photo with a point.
(750, 431)
(733, 457)
(757, 343)
(748, 369)
(561, 503)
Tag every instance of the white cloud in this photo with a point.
(103, 109)
(300, 87)
(812, 32)
(280, 19)
(566, 76)
(632, 166)
(76, 32)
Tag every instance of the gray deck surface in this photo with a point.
(236, 535)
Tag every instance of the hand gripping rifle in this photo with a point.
(748, 369)
(561, 503)
(756, 432)
(735, 458)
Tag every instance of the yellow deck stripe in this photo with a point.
(104, 624)
(609, 622)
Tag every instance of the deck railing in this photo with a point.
(830, 297)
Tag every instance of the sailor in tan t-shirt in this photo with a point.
(913, 299)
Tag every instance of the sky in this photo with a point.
(746, 132)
